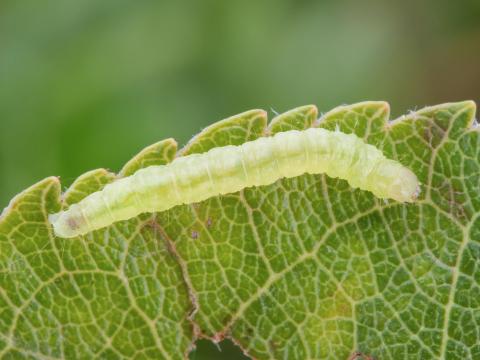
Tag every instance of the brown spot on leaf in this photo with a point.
(433, 134)
(453, 198)
(357, 355)
(274, 345)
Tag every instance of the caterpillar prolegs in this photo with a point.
(228, 169)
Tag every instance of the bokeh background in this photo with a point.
(87, 84)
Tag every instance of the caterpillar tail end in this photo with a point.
(64, 224)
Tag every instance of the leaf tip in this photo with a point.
(242, 127)
(50, 185)
(159, 153)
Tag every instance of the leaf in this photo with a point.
(306, 268)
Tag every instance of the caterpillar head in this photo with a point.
(67, 224)
(394, 181)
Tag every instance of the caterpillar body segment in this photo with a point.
(228, 169)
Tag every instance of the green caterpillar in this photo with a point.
(228, 169)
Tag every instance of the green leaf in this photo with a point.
(306, 268)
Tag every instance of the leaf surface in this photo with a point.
(305, 268)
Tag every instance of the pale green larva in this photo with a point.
(228, 169)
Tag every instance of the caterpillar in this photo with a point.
(228, 169)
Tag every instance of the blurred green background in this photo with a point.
(87, 84)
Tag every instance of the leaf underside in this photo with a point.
(306, 268)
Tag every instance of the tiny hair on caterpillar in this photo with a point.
(228, 169)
